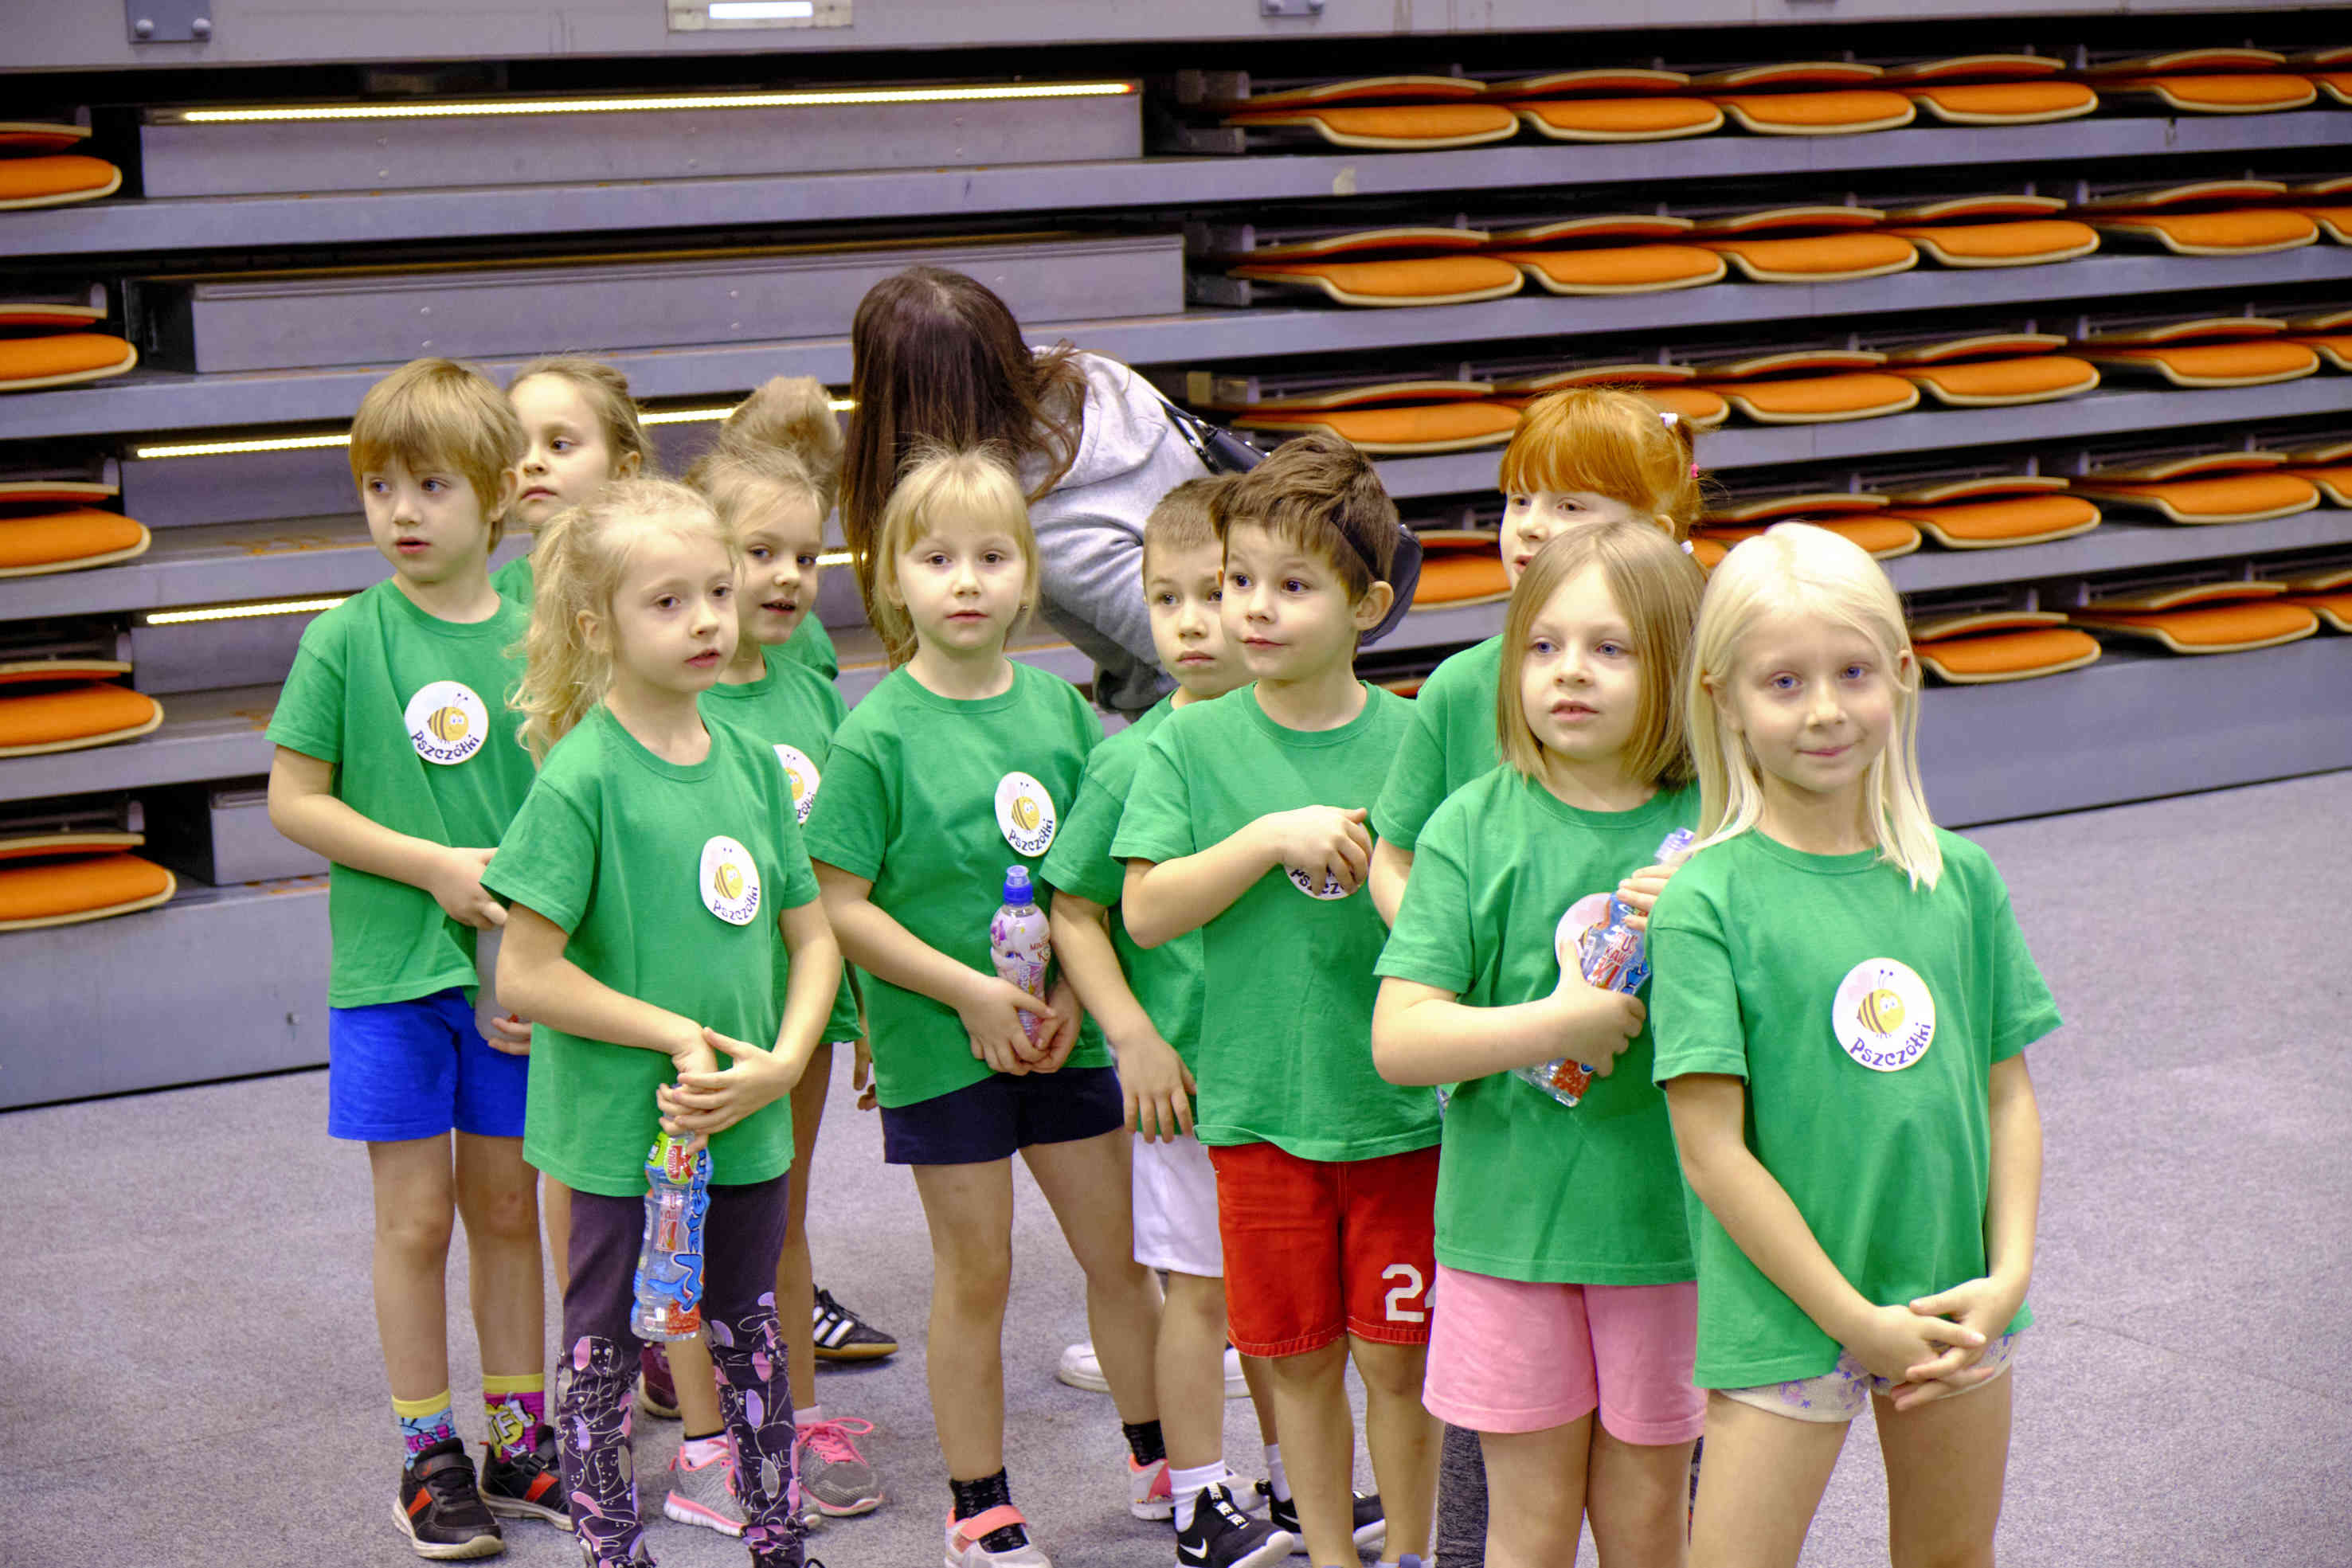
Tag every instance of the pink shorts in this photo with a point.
(1508, 1356)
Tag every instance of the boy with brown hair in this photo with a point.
(397, 760)
(1245, 821)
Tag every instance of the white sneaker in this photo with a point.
(1080, 1368)
(964, 1549)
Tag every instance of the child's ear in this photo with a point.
(1723, 703)
(592, 632)
(1373, 606)
(626, 469)
(509, 487)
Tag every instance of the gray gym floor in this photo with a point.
(188, 1369)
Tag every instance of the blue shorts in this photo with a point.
(1002, 1113)
(418, 1069)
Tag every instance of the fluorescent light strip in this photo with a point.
(242, 612)
(703, 415)
(343, 438)
(761, 10)
(838, 98)
(833, 557)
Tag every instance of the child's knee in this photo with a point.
(419, 1233)
(1394, 1370)
(504, 1212)
(976, 1282)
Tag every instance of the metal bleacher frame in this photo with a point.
(227, 980)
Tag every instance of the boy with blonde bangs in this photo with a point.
(397, 760)
(1148, 1003)
(1245, 821)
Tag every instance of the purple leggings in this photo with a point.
(597, 1373)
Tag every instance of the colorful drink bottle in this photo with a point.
(1020, 942)
(669, 1262)
(1610, 953)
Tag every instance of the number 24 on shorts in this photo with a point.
(1407, 1288)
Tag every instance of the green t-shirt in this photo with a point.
(812, 644)
(1167, 980)
(412, 710)
(793, 711)
(1286, 1052)
(1789, 970)
(1527, 1188)
(1450, 741)
(924, 797)
(514, 580)
(669, 880)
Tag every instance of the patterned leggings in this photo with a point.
(597, 1373)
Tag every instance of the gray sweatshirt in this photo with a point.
(1090, 530)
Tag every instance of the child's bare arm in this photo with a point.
(872, 938)
(304, 807)
(1165, 899)
(1392, 867)
(1420, 1034)
(1709, 1113)
(1152, 1076)
(538, 981)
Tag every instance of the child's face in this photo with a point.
(780, 541)
(1581, 672)
(1815, 701)
(569, 457)
(1288, 610)
(673, 618)
(1533, 518)
(961, 584)
(1184, 589)
(428, 523)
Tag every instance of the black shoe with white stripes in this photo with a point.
(843, 1335)
(1222, 1536)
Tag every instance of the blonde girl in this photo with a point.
(582, 432)
(1586, 454)
(1842, 1004)
(956, 767)
(641, 871)
(1564, 1261)
(771, 479)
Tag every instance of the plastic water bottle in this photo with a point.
(669, 1262)
(1613, 957)
(1020, 942)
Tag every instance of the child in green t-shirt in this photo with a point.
(1586, 454)
(1842, 1000)
(771, 478)
(1563, 1252)
(960, 763)
(583, 433)
(396, 759)
(642, 870)
(1245, 823)
(1148, 1003)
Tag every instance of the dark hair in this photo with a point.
(1181, 520)
(1319, 494)
(938, 359)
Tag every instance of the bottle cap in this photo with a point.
(1017, 890)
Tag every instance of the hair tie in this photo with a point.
(1694, 470)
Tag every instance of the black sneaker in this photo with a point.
(1222, 1536)
(842, 1335)
(530, 1487)
(1371, 1519)
(440, 1509)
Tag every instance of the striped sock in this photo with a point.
(424, 1422)
(515, 1408)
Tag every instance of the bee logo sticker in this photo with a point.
(446, 722)
(801, 777)
(1884, 1015)
(1305, 884)
(1025, 814)
(730, 882)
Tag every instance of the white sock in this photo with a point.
(1275, 1478)
(813, 1414)
(1186, 1487)
(697, 1452)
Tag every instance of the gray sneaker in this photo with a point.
(833, 1475)
(704, 1494)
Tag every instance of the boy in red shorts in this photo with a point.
(1246, 820)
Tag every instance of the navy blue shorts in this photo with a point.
(418, 1069)
(1001, 1115)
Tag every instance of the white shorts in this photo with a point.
(1175, 1190)
(1842, 1392)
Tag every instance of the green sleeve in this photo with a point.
(812, 644)
(1694, 1002)
(515, 580)
(848, 827)
(2022, 1008)
(309, 713)
(1431, 942)
(1158, 822)
(1416, 781)
(547, 861)
(1080, 861)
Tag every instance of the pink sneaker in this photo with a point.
(832, 1474)
(1148, 1496)
(704, 1494)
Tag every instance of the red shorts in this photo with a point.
(1314, 1248)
